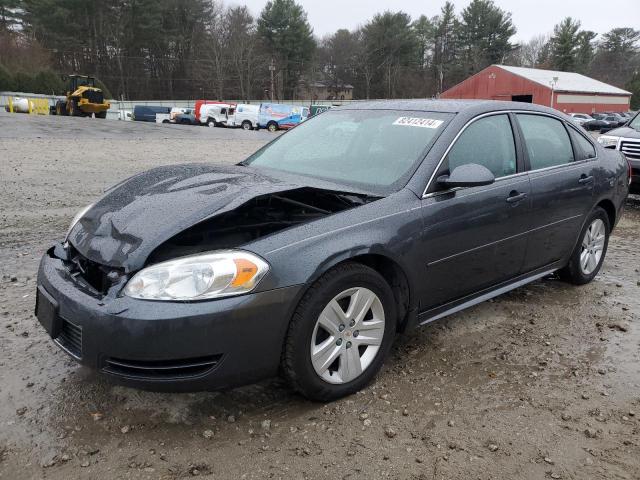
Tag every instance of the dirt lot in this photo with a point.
(541, 383)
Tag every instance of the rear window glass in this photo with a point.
(547, 141)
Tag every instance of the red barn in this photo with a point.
(566, 91)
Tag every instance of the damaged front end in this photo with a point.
(257, 218)
(109, 244)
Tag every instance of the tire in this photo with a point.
(211, 123)
(246, 125)
(272, 126)
(166, 121)
(346, 345)
(101, 114)
(61, 108)
(594, 238)
(75, 109)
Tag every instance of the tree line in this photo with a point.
(154, 49)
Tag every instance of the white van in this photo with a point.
(246, 116)
(216, 114)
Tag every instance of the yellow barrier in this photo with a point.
(35, 106)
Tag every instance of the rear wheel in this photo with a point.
(588, 256)
(272, 126)
(340, 333)
(246, 125)
(211, 122)
(101, 114)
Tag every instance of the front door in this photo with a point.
(476, 237)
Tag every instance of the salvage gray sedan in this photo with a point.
(309, 256)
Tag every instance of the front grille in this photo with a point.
(161, 369)
(93, 96)
(630, 148)
(70, 338)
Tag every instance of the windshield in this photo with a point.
(635, 123)
(376, 150)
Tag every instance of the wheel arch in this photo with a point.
(608, 206)
(383, 263)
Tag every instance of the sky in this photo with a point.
(531, 17)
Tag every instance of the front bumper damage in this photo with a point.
(175, 346)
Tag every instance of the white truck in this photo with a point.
(216, 114)
(245, 116)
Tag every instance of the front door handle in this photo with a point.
(515, 196)
(585, 179)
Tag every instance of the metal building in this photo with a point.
(566, 91)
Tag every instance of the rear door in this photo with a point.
(561, 168)
(476, 237)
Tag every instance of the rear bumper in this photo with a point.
(174, 346)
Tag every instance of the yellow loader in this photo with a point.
(83, 99)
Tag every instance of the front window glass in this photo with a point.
(547, 141)
(376, 150)
(488, 142)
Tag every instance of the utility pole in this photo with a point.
(553, 84)
(272, 69)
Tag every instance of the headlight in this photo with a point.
(608, 141)
(199, 277)
(76, 219)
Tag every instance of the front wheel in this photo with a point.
(272, 126)
(246, 125)
(340, 333)
(588, 256)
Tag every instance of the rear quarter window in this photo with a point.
(584, 149)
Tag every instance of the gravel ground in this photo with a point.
(543, 382)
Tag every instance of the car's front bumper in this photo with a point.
(162, 345)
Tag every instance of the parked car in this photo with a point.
(587, 121)
(627, 140)
(318, 109)
(163, 118)
(608, 122)
(581, 118)
(199, 103)
(244, 116)
(216, 115)
(309, 256)
(147, 113)
(276, 116)
(186, 117)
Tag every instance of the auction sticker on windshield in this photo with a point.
(418, 122)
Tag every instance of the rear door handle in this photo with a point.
(585, 179)
(515, 197)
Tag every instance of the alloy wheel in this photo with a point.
(592, 246)
(347, 335)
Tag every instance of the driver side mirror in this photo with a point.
(469, 175)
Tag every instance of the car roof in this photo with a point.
(445, 106)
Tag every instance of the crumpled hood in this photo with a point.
(134, 217)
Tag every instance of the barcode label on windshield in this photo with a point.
(418, 122)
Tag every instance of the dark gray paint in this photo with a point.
(452, 247)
